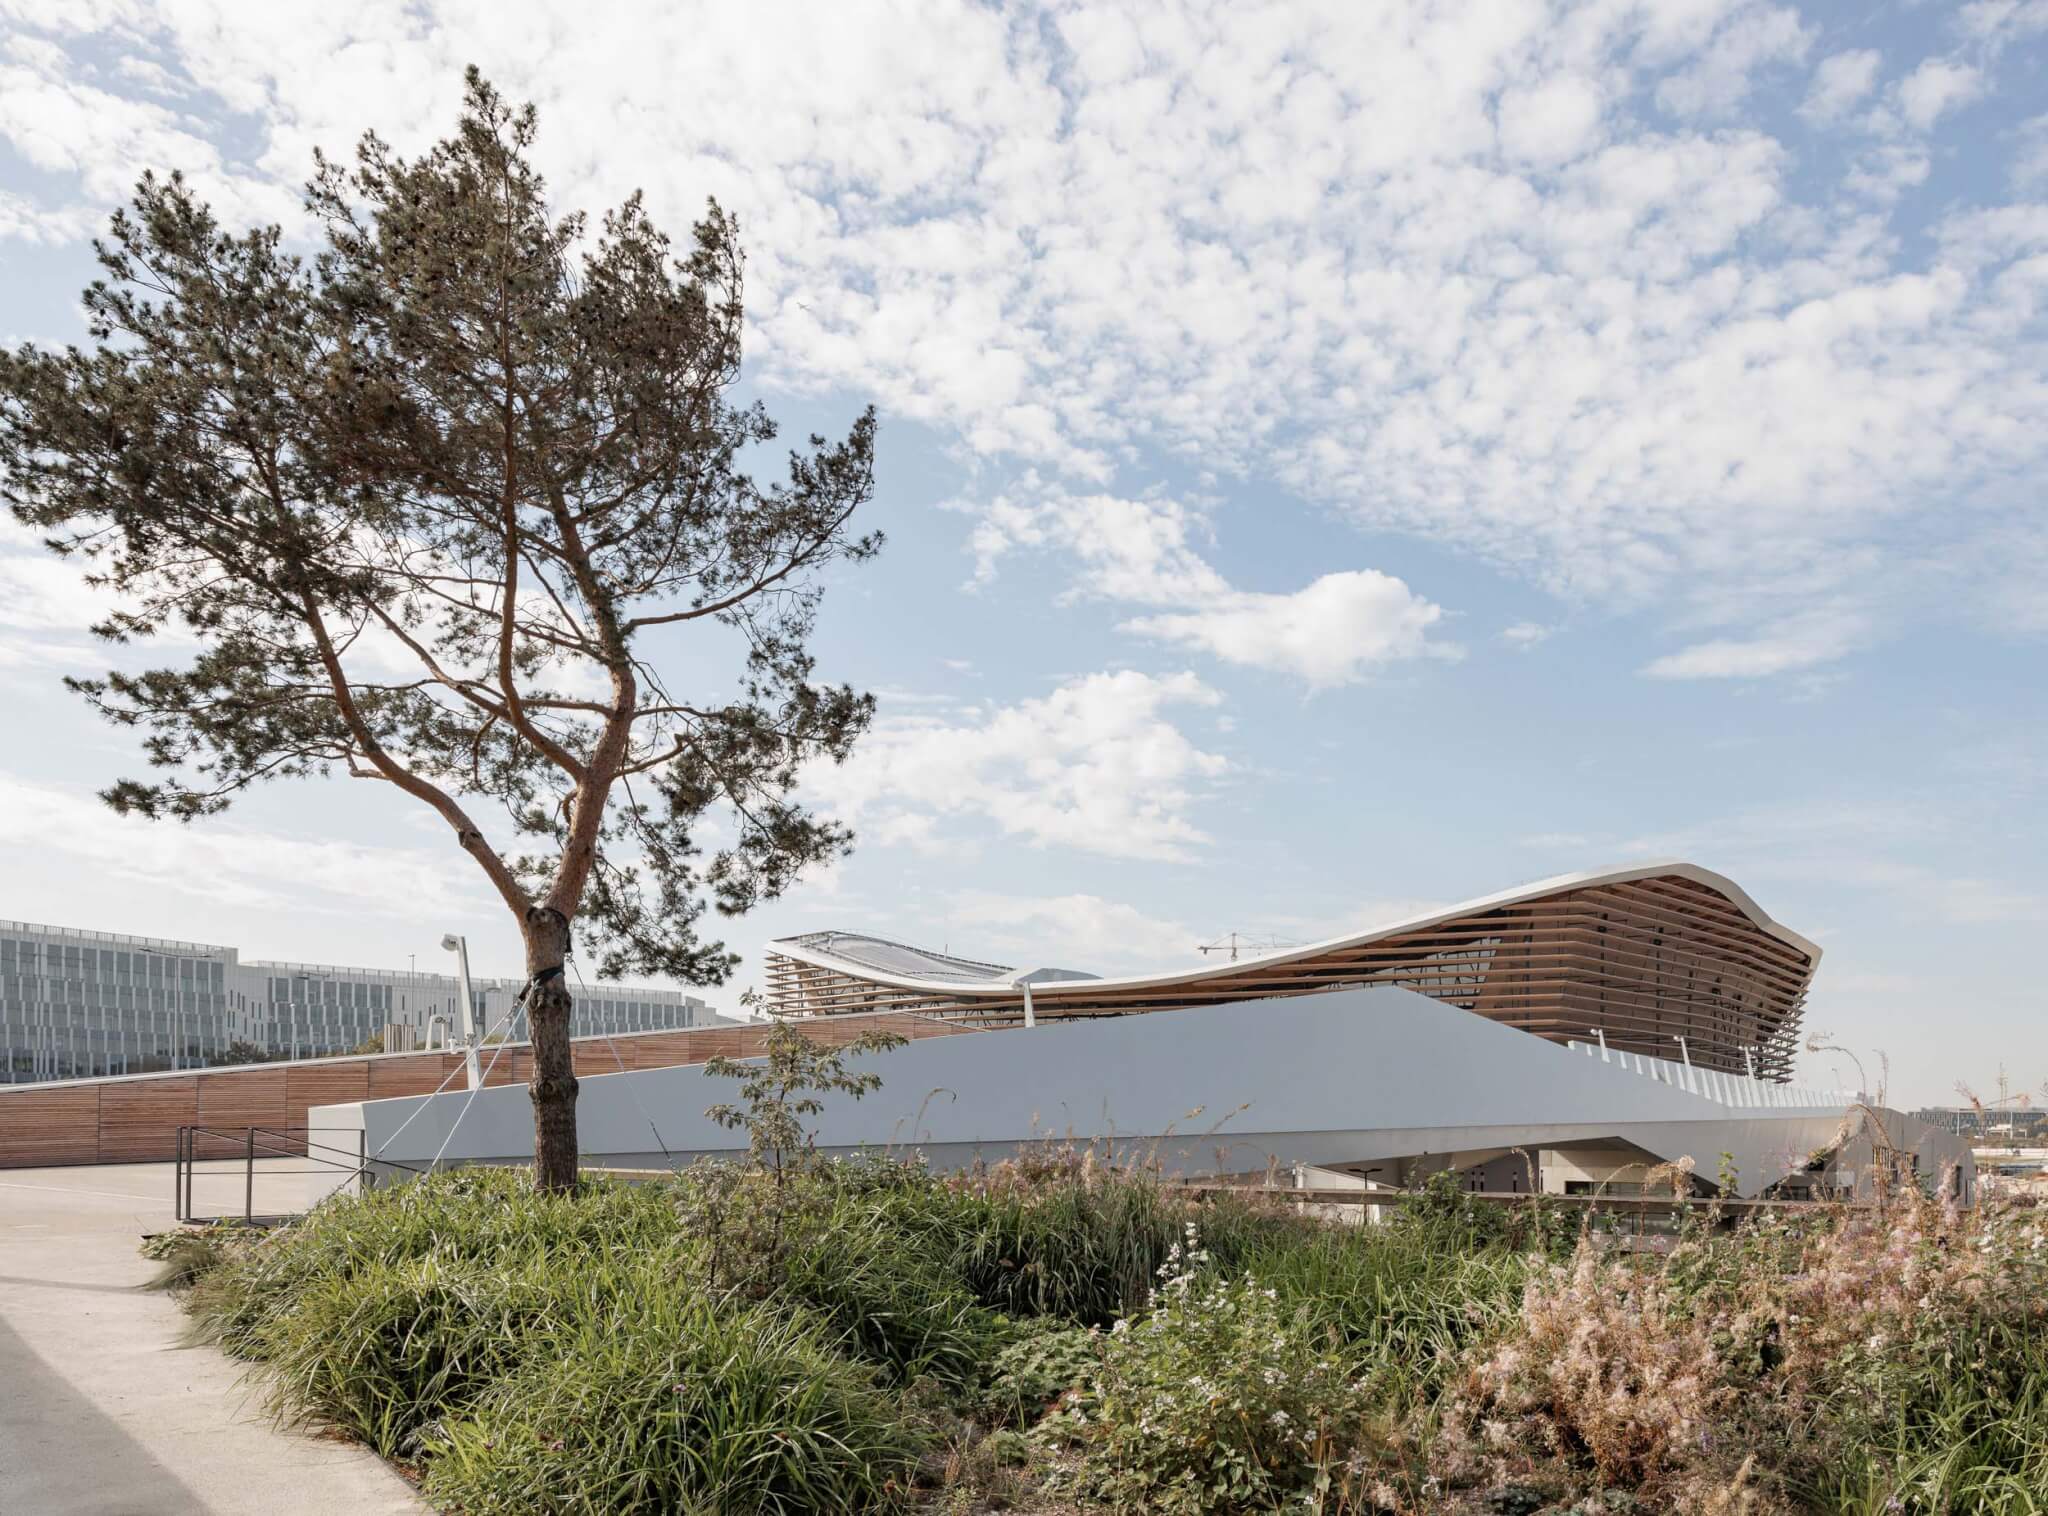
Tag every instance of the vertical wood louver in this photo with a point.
(1645, 957)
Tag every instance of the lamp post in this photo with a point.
(1601, 1033)
(1819, 1044)
(459, 946)
(1685, 1053)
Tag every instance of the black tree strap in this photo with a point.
(535, 983)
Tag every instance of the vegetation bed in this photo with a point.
(1054, 1335)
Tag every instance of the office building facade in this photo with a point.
(74, 1004)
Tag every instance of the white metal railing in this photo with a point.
(1735, 1090)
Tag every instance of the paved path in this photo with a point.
(102, 1413)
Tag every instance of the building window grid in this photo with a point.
(73, 1005)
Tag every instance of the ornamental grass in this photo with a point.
(1049, 1335)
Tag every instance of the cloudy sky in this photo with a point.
(1336, 459)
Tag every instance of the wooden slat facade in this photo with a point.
(1644, 960)
(50, 1125)
(135, 1114)
(134, 1118)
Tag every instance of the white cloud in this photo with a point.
(2030, 161)
(41, 592)
(1937, 86)
(1524, 635)
(1330, 632)
(1715, 82)
(23, 220)
(1301, 247)
(1551, 121)
(1841, 81)
(45, 609)
(233, 866)
(1999, 21)
(1884, 173)
(62, 125)
(1127, 549)
(1797, 643)
(1096, 765)
(1077, 931)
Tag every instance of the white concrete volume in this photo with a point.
(1378, 1081)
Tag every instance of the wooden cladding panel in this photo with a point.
(1645, 961)
(136, 1119)
(421, 1075)
(52, 1126)
(311, 1084)
(139, 1120)
(259, 1096)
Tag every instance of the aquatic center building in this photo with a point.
(1573, 1034)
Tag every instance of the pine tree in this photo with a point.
(444, 505)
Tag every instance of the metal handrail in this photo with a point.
(267, 1142)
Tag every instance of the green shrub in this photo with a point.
(1081, 1241)
(668, 1400)
(484, 1214)
(831, 1331)
(897, 1303)
(383, 1350)
(1040, 1361)
(189, 1254)
(1214, 1400)
(1398, 1306)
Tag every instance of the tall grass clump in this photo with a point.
(650, 1398)
(1396, 1305)
(895, 1303)
(383, 1350)
(487, 1215)
(1847, 1362)
(1058, 1232)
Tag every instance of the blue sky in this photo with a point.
(1336, 460)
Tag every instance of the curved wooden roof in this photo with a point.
(1645, 955)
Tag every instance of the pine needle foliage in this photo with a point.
(461, 502)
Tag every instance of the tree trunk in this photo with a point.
(553, 1085)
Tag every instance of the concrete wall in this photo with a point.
(132, 1118)
(1337, 1080)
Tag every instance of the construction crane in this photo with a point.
(1238, 942)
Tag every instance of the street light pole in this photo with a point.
(459, 946)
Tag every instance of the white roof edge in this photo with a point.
(1721, 884)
